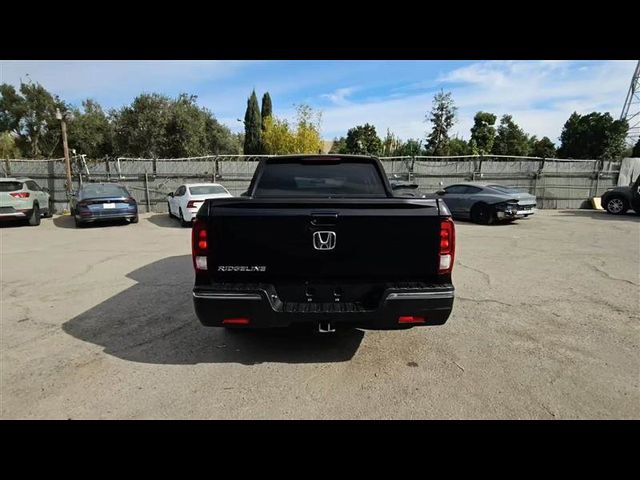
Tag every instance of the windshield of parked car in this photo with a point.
(10, 186)
(320, 179)
(207, 189)
(100, 190)
(502, 188)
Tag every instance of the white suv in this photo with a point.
(23, 198)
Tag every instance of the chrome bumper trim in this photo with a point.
(420, 295)
(227, 296)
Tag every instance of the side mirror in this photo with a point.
(45, 189)
(170, 194)
(441, 192)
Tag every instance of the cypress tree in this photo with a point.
(266, 107)
(252, 127)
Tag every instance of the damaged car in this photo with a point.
(485, 203)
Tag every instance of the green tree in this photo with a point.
(593, 136)
(636, 150)
(186, 129)
(339, 145)
(458, 147)
(363, 140)
(12, 109)
(391, 145)
(220, 140)
(410, 148)
(252, 127)
(483, 133)
(91, 131)
(442, 117)
(140, 128)
(543, 148)
(31, 116)
(8, 146)
(267, 110)
(510, 139)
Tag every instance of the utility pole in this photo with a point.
(631, 108)
(65, 146)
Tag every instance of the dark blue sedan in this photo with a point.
(103, 201)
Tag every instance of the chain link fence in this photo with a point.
(557, 183)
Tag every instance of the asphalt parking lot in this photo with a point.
(98, 323)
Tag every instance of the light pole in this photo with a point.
(62, 117)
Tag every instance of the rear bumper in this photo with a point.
(265, 310)
(516, 214)
(9, 215)
(93, 217)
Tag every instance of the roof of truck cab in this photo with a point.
(321, 156)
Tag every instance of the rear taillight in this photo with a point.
(191, 204)
(411, 319)
(236, 321)
(130, 201)
(199, 244)
(447, 246)
(20, 194)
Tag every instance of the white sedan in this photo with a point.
(187, 199)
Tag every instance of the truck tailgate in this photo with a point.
(273, 240)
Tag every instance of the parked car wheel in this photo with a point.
(482, 213)
(34, 218)
(79, 224)
(169, 210)
(617, 206)
(135, 219)
(183, 222)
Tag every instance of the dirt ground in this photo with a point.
(98, 323)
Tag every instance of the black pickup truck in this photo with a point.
(322, 240)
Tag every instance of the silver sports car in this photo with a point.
(485, 203)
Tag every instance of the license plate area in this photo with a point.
(108, 206)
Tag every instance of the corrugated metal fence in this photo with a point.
(558, 183)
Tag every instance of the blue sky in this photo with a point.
(389, 94)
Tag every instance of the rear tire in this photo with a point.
(183, 222)
(482, 214)
(169, 210)
(135, 219)
(617, 206)
(34, 218)
(78, 223)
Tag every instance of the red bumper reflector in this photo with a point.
(236, 321)
(411, 319)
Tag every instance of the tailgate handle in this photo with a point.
(324, 219)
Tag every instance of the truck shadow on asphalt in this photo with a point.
(164, 220)
(153, 322)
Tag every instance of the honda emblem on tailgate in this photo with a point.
(324, 240)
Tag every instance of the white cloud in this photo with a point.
(539, 94)
(339, 96)
(75, 80)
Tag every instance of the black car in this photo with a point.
(103, 201)
(620, 199)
